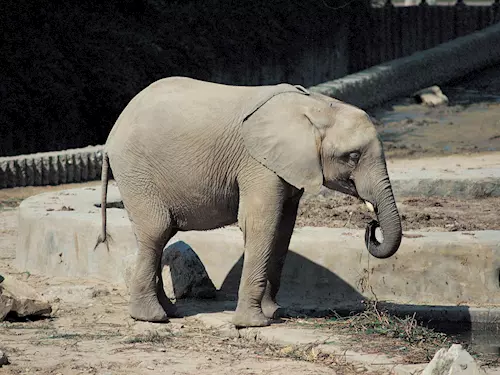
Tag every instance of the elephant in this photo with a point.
(188, 154)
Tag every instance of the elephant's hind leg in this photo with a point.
(153, 229)
(278, 255)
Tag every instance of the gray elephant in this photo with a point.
(193, 155)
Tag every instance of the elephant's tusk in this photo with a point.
(370, 206)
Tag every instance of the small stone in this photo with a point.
(3, 359)
(431, 96)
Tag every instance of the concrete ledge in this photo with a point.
(51, 168)
(406, 75)
(325, 269)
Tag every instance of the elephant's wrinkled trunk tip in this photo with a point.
(375, 248)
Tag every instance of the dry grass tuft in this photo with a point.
(377, 331)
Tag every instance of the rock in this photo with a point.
(184, 274)
(431, 96)
(21, 299)
(453, 361)
(3, 359)
(5, 306)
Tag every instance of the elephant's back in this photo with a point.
(178, 107)
(178, 144)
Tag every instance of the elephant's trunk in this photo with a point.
(389, 221)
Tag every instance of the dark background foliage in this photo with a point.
(69, 68)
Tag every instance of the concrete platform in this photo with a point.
(458, 176)
(326, 268)
(472, 176)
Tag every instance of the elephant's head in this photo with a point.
(314, 140)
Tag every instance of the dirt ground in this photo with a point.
(424, 214)
(89, 331)
(93, 334)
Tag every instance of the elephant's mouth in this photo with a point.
(344, 186)
(349, 187)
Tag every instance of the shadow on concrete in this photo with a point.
(307, 289)
(311, 290)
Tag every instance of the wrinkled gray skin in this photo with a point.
(192, 155)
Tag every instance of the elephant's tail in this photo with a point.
(104, 236)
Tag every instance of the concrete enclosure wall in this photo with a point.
(364, 89)
(391, 32)
(325, 268)
(51, 168)
(406, 75)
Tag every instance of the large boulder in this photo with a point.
(454, 361)
(184, 275)
(19, 298)
(5, 305)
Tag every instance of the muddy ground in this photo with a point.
(89, 332)
(470, 123)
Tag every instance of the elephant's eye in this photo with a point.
(354, 156)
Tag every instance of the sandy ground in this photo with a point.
(93, 334)
(89, 331)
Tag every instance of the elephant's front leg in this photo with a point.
(278, 255)
(259, 218)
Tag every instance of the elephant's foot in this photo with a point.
(270, 309)
(250, 317)
(147, 309)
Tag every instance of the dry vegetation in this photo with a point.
(375, 330)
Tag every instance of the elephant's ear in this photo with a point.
(280, 136)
